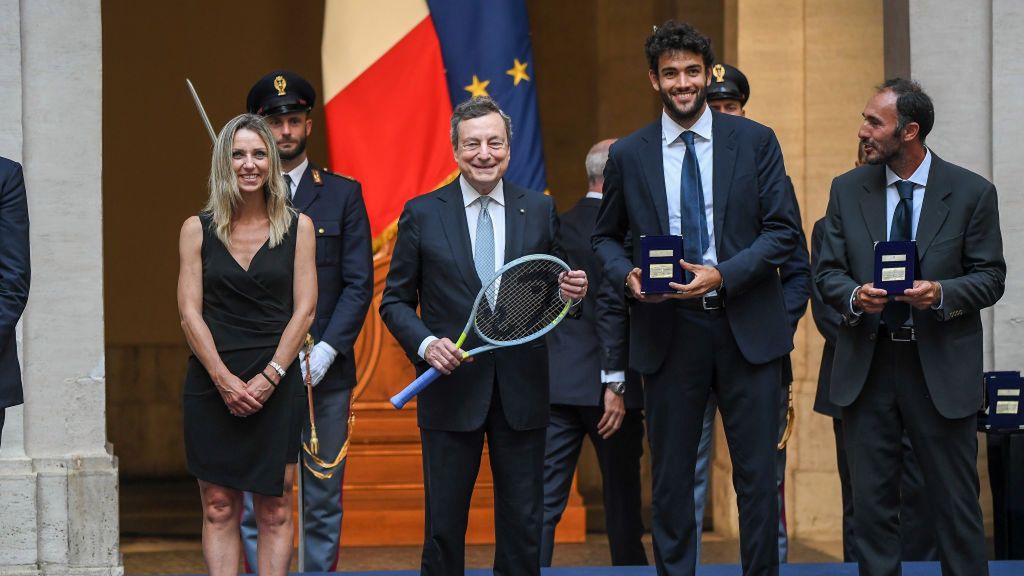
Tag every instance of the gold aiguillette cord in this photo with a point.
(313, 447)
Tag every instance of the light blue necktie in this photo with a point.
(694, 224)
(483, 252)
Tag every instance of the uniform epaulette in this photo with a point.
(346, 177)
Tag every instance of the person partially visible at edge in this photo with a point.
(15, 274)
(246, 296)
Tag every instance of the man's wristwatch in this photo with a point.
(617, 388)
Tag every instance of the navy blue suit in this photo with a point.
(14, 278)
(502, 394)
(578, 351)
(684, 351)
(344, 270)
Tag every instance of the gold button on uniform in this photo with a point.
(321, 231)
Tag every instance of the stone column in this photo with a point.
(58, 477)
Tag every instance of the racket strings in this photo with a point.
(526, 300)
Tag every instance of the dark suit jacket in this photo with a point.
(959, 244)
(432, 268)
(755, 232)
(14, 276)
(827, 320)
(575, 348)
(344, 266)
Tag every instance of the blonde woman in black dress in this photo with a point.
(246, 295)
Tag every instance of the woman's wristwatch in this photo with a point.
(277, 368)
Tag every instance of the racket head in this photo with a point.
(527, 301)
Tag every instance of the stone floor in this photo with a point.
(160, 526)
(146, 555)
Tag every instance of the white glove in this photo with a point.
(320, 360)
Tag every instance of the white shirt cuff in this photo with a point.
(852, 309)
(423, 346)
(613, 376)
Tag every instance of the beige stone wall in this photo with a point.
(811, 66)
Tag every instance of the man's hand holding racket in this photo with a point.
(574, 285)
(524, 300)
(444, 355)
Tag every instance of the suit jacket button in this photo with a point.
(872, 336)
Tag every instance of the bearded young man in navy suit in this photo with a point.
(719, 181)
(450, 242)
(14, 278)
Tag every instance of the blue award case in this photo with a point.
(659, 263)
(895, 266)
(1003, 411)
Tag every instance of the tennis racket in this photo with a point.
(522, 302)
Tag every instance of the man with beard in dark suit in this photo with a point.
(912, 361)
(591, 395)
(720, 182)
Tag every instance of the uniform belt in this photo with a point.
(705, 303)
(900, 334)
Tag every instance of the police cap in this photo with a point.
(280, 92)
(728, 83)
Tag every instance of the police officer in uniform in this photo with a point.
(728, 94)
(344, 264)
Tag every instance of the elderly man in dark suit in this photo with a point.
(719, 180)
(590, 394)
(913, 361)
(14, 278)
(344, 270)
(450, 242)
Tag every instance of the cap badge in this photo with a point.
(280, 84)
(719, 72)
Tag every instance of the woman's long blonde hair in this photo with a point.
(223, 185)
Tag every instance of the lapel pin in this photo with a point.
(522, 211)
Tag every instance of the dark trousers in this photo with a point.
(895, 398)
(619, 458)
(704, 355)
(2, 410)
(1005, 470)
(451, 462)
(917, 527)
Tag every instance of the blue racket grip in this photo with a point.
(425, 379)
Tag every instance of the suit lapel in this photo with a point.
(515, 222)
(456, 230)
(723, 145)
(308, 190)
(933, 209)
(654, 173)
(872, 204)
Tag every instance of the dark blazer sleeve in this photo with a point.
(15, 269)
(401, 289)
(825, 318)
(357, 275)
(795, 272)
(778, 232)
(984, 277)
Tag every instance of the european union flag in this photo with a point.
(486, 50)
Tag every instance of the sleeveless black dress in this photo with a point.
(246, 311)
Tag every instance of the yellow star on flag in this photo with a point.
(518, 72)
(478, 87)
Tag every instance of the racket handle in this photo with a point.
(400, 399)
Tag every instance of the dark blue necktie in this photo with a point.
(896, 314)
(691, 191)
